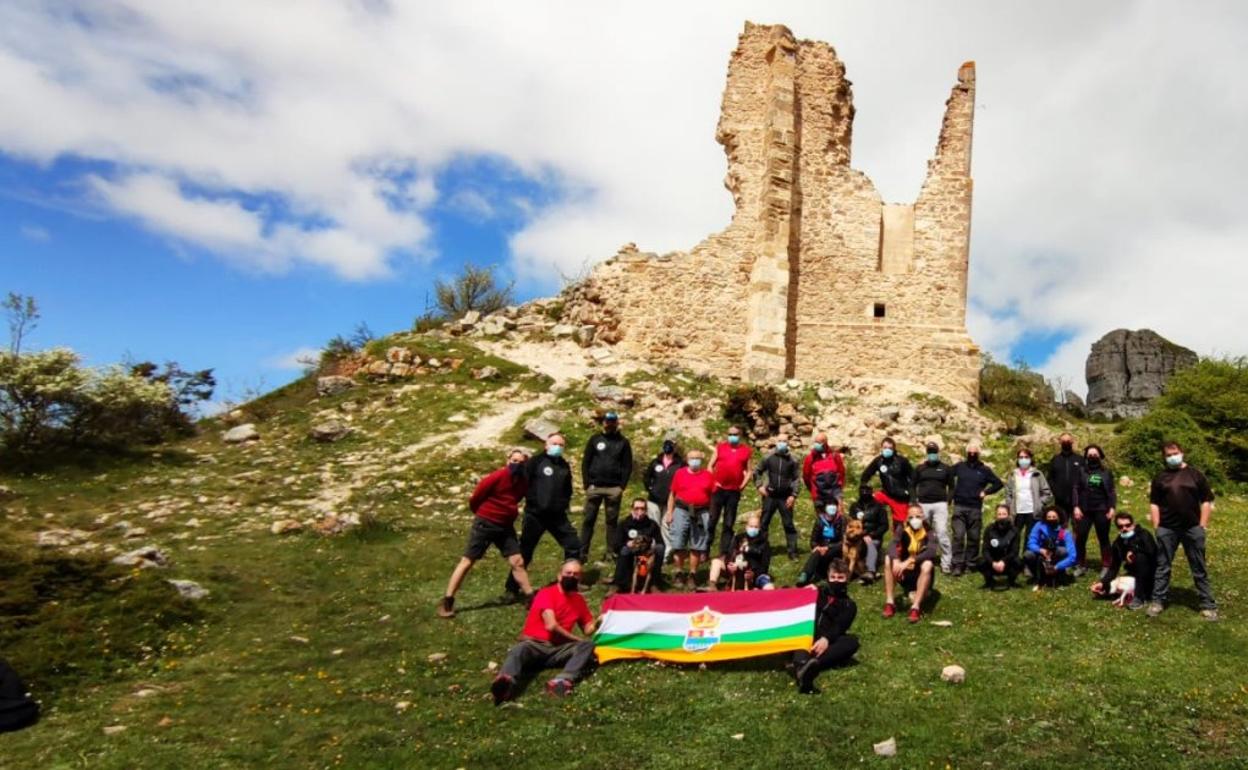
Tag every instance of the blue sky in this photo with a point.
(227, 183)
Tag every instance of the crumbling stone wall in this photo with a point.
(816, 277)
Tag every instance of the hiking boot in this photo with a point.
(446, 607)
(957, 572)
(868, 578)
(1079, 571)
(1210, 615)
(915, 614)
(503, 689)
(805, 676)
(559, 687)
(890, 610)
(1137, 604)
(1155, 609)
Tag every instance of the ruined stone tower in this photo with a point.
(816, 277)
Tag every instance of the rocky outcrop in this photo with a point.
(1127, 369)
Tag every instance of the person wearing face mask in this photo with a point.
(641, 538)
(933, 484)
(1065, 472)
(825, 544)
(779, 483)
(875, 520)
(910, 563)
(730, 465)
(688, 513)
(1134, 550)
(1180, 504)
(1027, 494)
(748, 558)
(495, 504)
(1000, 550)
(549, 638)
(823, 472)
(1094, 502)
(658, 483)
(546, 505)
(606, 468)
(896, 477)
(1050, 549)
(833, 644)
(972, 482)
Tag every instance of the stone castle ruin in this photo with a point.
(816, 278)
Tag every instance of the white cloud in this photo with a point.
(296, 359)
(472, 204)
(35, 233)
(1108, 162)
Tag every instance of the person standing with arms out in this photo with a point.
(495, 504)
(688, 512)
(1180, 503)
(823, 473)
(1027, 494)
(730, 466)
(658, 483)
(896, 477)
(1065, 472)
(546, 505)
(606, 468)
(1094, 504)
(778, 484)
(972, 482)
(933, 484)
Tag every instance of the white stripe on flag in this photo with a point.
(635, 621)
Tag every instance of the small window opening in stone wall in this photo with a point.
(878, 311)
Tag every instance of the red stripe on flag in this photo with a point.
(720, 601)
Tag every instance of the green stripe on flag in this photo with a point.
(676, 641)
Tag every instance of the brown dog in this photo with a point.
(854, 550)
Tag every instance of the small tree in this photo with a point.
(473, 289)
(23, 315)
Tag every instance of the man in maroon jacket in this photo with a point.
(495, 504)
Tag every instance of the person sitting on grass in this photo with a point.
(495, 504)
(642, 539)
(549, 639)
(911, 563)
(875, 525)
(1050, 550)
(1000, 553)
(748, 561)
(1134, 550)
(825, 544)
(834, 614)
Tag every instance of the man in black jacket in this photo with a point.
(641, 538)
(779, 481)
(972, 482)
(874, 517)
(833, 644)
(1066, 470)
(747, 560)
(896, 477)
(1000, 550)
(546, 505)
(658, 483)
(933, 484)
(605, 470)
(1134, 550)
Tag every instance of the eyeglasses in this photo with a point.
(1125, 527)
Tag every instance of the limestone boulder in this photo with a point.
(328, 431)
(146, 557)
(189, 589)
(333, 385)
(1126, 370)
(240, 434)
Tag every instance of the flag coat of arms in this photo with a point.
(696, 628)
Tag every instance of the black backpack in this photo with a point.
(17, 710)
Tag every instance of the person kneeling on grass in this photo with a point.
(748, 561)
(548, 639)
(642, 541)
(1050, 550)
(825, 544)
(495, 504)
(1135, 551)
(875, 526)
(1000, 551)
(834, 614)
(911, 563)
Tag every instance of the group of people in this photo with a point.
(932, 510)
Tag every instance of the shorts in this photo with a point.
(910, 580)
(486, 533)
(689, 529)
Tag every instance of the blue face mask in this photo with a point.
(782, 447)
(829, 510)
(817, 446)
(734, 440)
(1175, 461)
(752, 531)
(887, 452)
(933, 457)
(695, 463)
(1024, 462)
(1127, 535)
(554, 450)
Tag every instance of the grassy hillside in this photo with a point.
(325, 652)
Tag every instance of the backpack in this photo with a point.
(17, 710)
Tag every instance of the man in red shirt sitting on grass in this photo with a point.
(549, 639)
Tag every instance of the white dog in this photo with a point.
(1124, 586)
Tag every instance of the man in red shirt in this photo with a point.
(549, 639)
(730, 467)
(688, 513)
(823, 472)
(495, 504)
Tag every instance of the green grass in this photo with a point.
(1053, 679)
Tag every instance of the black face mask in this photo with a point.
(515, 469)
(569, 584)
(668, 447)
(972, 457)
(839, 590)
(1066, 447)
(1094, 462)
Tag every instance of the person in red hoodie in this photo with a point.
(495, 504)
(823, 472)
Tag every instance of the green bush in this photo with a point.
(1214, 394)
(1015, 393)
(746, 403)
(1138, 442)
(475, 288)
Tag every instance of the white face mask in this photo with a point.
(916, 523)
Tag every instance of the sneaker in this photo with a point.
(1079, 571)
(503, 689)
(559, 687)
(1137, 604)
(446, 608)
(868, 578)
(915, 614)
(806, 676)
(527, 600)
(957, 572)
(946, 571)
(890, 610)
(1155, 609)
(1210, 615)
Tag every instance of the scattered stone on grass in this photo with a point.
(437, 657)
(886, 748)
(286, 527)
(146, 557)
(60, 538)
(241, 433)
(953, 674)
(189, 589)
(333, 385)
(329, 431)
(114, 729)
